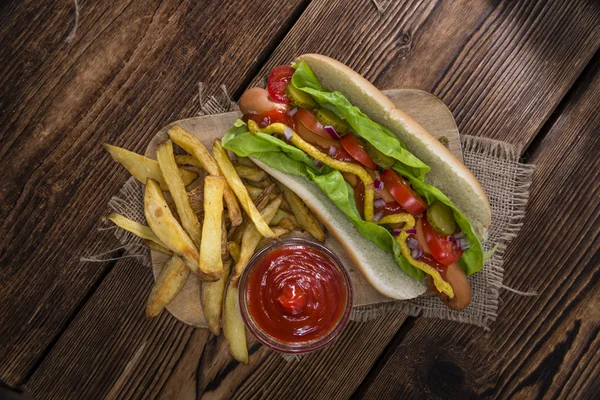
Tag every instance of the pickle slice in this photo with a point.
(378, 157)
(441, 219)
(326, 117)
(299, 98)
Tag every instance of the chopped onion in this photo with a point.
(332, 151)
(411, 231)
(464, 244)
(416, 253)
(379, 203)
(377, 216)
(377, 184)
(412, 243)
(288, 133)
(318, 163)
(292, 112)
(397, 232)
(332, 132)
(459, 235)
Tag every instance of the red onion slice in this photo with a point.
(377, 184)
(332, 132)
(412, 243)
(332, 151)
(416, 253)
(379, 203)
(377, 216)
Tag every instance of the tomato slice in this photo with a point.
(403, 193)
(278, 80)
(308, 119)
(306, 123)
(352, 146)
(359, 197)
(270, 117)
(444, 250)
(341, 155)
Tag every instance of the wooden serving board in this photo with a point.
(424, 107)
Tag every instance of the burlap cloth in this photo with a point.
(495, 164)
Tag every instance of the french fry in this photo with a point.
(188, 160)
(285, 206)
(210, 262)
(197, 149)
(234, 250)
(245, 161)
(168, 167)
(239, 189)
(212, 299)
(305, 218)
(260, 203)
(224, 253)
(262, 184)
(280, 214)
(143, 168)
(286, 223)
(169, 282)
(134, 227)
(233, 325)
(165, 226)
(254, 192)
(157, 247)
(196, 197)
(254, 174)
(251, 237)
(278, 231)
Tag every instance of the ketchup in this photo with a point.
(296, 294)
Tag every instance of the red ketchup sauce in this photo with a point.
(296, 294)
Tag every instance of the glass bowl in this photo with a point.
(303, 346)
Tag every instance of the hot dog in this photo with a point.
(400, 204)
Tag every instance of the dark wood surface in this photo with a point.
(521, 71)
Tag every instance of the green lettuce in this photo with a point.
(379, 136)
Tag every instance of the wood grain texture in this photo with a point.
(501, 66)
(541, 347)
(425, 108)
(132, 67)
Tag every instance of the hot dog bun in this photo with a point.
(447, 173)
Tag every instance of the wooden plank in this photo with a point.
(545, 346)
(131, 68)
(501, 67)
(441, 37)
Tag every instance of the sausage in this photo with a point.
(257, 101)
(460, 284)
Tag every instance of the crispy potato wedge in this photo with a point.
(280, 214)
(286, 223)
(239, 189)
(197, 149)
(262, 184)
(169, 282)
(233, 325)
(278, 231)
(134, 227)
(245, 161)
(143, 168)
(260, 202)
(168, 167)
(210, 262)
(305, 218)
(196, 197)
(157, 247)
(188, 160)
(212, 299)
(165, 226)
(254, 192)
(254, 174)
(251, 237)
(234, 250)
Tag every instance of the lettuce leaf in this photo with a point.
(379, 136)
(279, 155)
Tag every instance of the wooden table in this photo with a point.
(525, 72)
